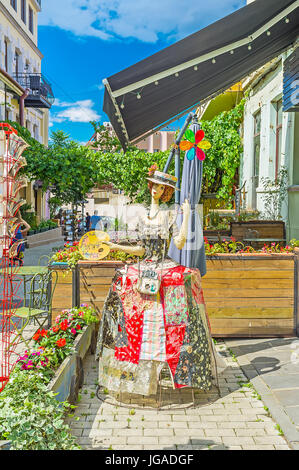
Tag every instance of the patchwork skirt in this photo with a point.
(140, 334)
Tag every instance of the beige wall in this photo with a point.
(17, 16)
(19, 39)
(160, 141)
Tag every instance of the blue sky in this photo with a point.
(84, 41)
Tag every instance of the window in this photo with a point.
(6, 55)
(35, 132)
(278, 107)
(257, 147)
(31, 20)
(23, 10)
(14, 4)
(17, 63)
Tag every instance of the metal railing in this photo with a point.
(37, 84)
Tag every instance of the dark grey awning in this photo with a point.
(154, 91)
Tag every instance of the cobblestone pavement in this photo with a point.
(235, 420)
(272, 365)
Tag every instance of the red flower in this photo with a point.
(64, 325)
(36, 336)
(61, 342)
(44, 333)
(55, 329)
(78, 327)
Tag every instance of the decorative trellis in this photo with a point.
(11, 161)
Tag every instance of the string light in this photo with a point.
(176, 74)
(214, 61)
(249, 47)
(122, 105)
(195, 68)
(268, 33)
(287, 20)
(156, 82)
(232, 51)
(138, 96)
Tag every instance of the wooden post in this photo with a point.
(296, 291)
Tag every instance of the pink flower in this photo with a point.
(73, 331)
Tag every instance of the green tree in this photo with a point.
(66, 167)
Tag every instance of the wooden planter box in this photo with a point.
(94, 278)
(69, 377)
(252, 295)
(66, 291)
(265, 228)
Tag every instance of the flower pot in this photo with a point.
(5, 445)
(69, 377)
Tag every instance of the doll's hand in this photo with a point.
(112, 246)
(186, 208)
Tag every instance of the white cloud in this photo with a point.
(80, 111)
(144, 20)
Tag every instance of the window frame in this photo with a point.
(30, 19)
(14, 4)
(23, 11)
(6, 54)
(256, 135)
(278, 135)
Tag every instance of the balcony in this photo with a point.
(41, 94)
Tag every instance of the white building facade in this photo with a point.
(269, 135)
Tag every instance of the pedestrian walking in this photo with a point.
(95, 221)
(87, 222)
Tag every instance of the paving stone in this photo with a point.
(235, 441)
(190, 432)
(173, 425)
(170, 441)
(126, 432)
(202, 425)
(159, 432)
(143, 440)
(219, 432)
(250, 432)
(258, 447)
(269, 440)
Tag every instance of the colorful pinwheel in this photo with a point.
(194, 144)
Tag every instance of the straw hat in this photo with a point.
(159, 177)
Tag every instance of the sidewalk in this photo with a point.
(272, 365)
(236, 420)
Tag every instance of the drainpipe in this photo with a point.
(22, 105)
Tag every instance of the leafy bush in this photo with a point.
(30, 417)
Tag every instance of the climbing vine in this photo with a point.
(127, 171)
(223, 159)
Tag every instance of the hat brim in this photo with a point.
(153, 180)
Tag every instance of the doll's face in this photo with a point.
(157, 191)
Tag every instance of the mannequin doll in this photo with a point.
(154, 315)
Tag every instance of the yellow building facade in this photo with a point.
(25, 95)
